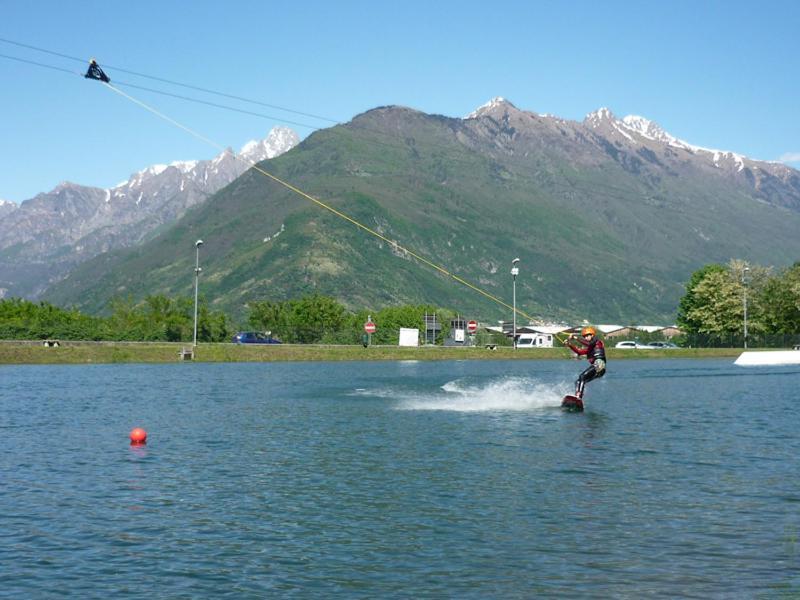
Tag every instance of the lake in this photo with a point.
(399, 480)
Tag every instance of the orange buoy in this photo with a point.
(138, 436)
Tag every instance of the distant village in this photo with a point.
(543, 336)
(539, 336)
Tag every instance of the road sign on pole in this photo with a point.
(472, 327)
(369, 329)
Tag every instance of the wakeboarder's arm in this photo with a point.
(575, 349)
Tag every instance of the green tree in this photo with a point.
(22, 319)
(167, 319)
(212, 326)
(718, 307)
(688, 317)
(389, 320)
(714, 301)
(312, 316)
(124, 322)
(308, 320)
(780, 302)
(266, 315)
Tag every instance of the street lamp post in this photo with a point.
(745, 271)
(514, 273)
(197, 270)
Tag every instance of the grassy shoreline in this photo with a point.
(161, 352)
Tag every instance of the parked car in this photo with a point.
(661, 345)
(629, 345)
(252, 337)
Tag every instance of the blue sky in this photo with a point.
(722, 75)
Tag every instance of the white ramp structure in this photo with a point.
(768, 358)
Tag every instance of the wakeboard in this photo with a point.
(572, 404)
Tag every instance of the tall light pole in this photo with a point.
(514, 273)
(745, 271)
(197, 269)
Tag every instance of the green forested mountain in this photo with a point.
(609, 218)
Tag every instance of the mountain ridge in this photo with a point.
(647, 129)
(608, 227)
(45, 237)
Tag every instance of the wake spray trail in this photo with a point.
(520, 394)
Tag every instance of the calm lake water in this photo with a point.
(404, 479)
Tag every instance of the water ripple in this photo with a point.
(398, 480)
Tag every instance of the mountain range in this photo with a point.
(44, 238)
(609, 217)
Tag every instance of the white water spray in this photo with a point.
(507, 394)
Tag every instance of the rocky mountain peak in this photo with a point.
(6, 207)
(496, 105)
(646, 128)
(599, 116)
(92, 220)
(279, 140)
(65, 186)
(653, 131)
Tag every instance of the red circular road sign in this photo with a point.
(472, 326)
(369, 327)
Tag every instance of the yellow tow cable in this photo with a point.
(316, 201)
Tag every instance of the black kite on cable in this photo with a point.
(95, 72)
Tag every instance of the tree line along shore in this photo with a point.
(721, 303)
(162, 352)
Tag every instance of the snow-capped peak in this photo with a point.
(63, 185)
(601, 115)
(650, 130)
(184, 166)
(154, 170)
(279, 140)
(495, 102)
(7, 202)
(250, 147)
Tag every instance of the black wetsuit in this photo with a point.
(595, 351)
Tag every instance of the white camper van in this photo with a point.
(535, 340)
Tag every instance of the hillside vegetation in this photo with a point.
(606, 230)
